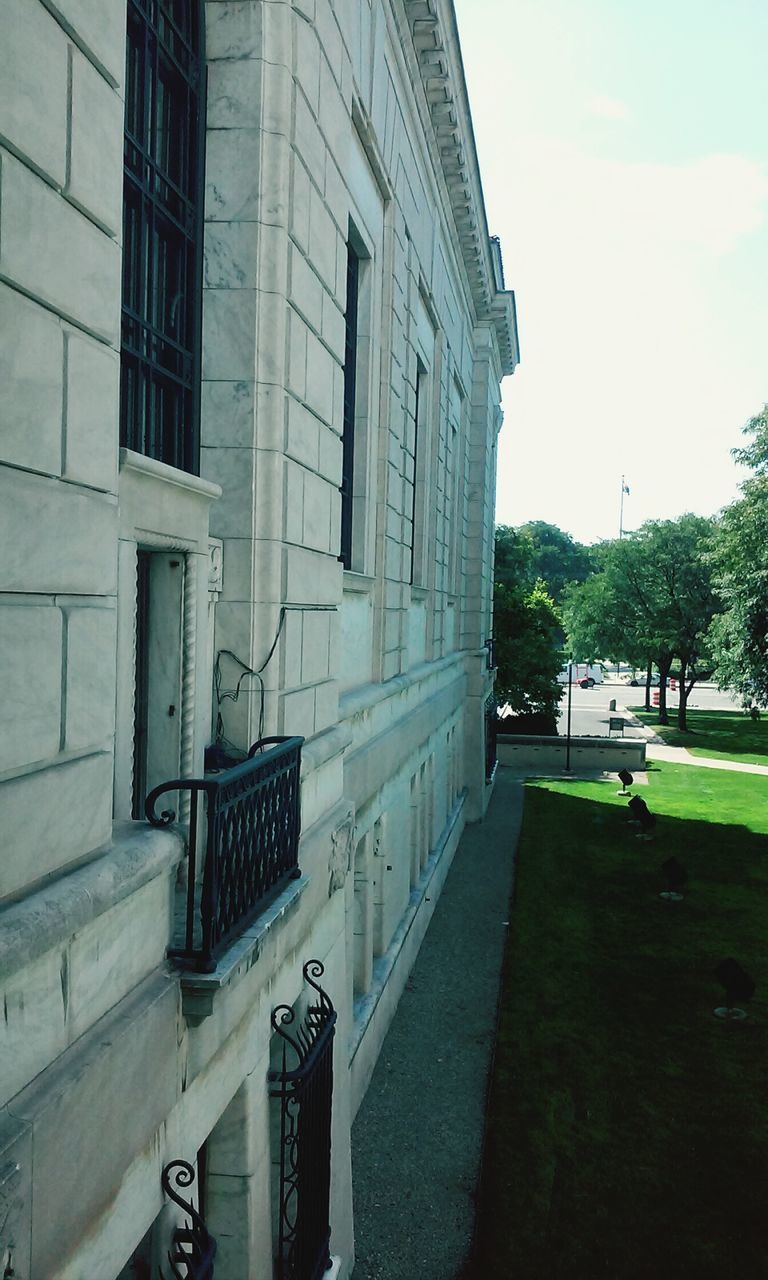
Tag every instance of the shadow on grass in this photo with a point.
(626, 1135)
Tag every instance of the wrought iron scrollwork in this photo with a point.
(252, 825)
(193, 1248)
(304, 1085)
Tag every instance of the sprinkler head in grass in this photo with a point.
(677, 879)
(642, 817)
(738, 985)
(626, 780)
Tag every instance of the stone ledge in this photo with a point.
(521, 752)
(199, 990)
(50, 916)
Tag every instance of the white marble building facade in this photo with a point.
(318, 564)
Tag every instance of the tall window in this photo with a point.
(162, 231)
(350, 402)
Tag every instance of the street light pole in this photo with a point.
(568, 721)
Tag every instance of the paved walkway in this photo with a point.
(417, 1139)
(658, 749)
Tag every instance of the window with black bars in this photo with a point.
(162, 231)
(350, 400)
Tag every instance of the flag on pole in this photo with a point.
(625, 487)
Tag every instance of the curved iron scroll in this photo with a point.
(304, 1085)
(193, 1248)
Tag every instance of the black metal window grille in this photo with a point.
(490, 737)
(162, 231)
(350, 401)
(193, 1248)
(252, 827)
(419, 380)
(304, 1085)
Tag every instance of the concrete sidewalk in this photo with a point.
(417, 1139)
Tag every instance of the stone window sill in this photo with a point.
(199, 990)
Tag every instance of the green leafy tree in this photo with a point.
(527, 632)
(652, 601)
(557, 558)
(739, 636)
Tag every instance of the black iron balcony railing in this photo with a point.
(490, 648)
(252, 824)
(304, 1084)
(491, 726)
(193, 1248)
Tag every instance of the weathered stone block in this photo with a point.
(231, 255)
(52, 817)
(232, 175)
(91, 676)
(93, 400)
(320, 367)
(82, 283)
(233, 30)
(30, 681)
(56, 538)
(95, 180)
(234, 95)
(233, 469)
(31, 375)
(227, 414)
(229, 334)
(98, 26)
(99, 1087)
(33, 86)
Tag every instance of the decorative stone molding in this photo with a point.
(436, 44)
(340, 861)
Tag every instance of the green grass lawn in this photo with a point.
(627, 1128)
(728, 735)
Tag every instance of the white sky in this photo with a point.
(624, 155)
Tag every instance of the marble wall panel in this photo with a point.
(82, 284)
(91, 676)
(57, 538)
(95, 177)
(32, 377)
(93, 397)
(30, 683)
(53, 817)
(33, 86)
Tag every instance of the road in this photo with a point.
(590, 713)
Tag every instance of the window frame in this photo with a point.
(163, 222)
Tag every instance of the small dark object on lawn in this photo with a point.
(642, 815)
(754, 713)
(626, 780)
(739, 985)
(677, 879)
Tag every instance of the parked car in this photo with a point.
(639, 681)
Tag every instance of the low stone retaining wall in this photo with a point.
(545, 755)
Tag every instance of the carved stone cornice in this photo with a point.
(435, 39)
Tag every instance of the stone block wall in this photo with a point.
(61, 122)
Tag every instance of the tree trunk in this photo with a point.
(682, 719)
(664, 665)
(648, 674)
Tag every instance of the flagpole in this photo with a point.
(621, 509)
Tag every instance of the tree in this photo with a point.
(652, 601)
(739, 636)
(557, 558)
(528, 655)
(538, 550)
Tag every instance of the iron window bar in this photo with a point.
(305, 1091)
(193, 1248)
(252, 828)
(490, 649)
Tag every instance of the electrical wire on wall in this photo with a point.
(232, 695)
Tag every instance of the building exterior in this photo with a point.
(252, 329)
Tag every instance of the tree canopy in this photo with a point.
(739, 636)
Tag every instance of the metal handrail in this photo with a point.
(252, 828)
